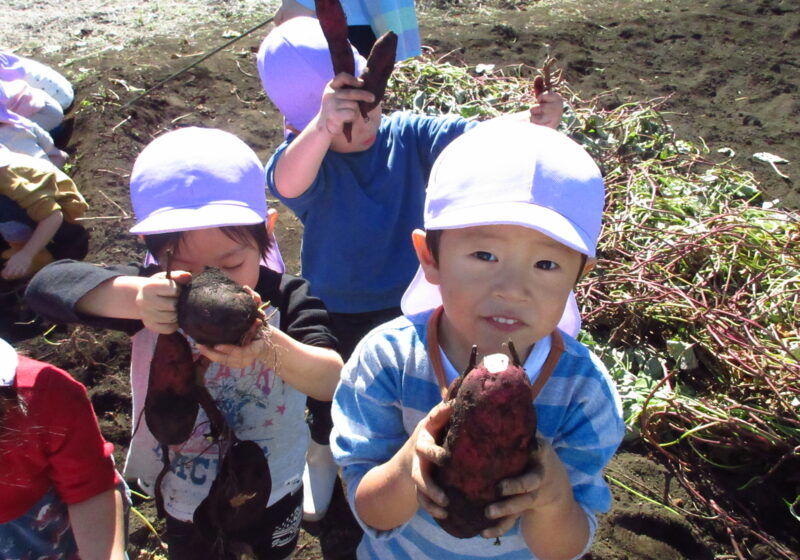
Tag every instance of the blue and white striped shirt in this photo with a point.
(389, 385)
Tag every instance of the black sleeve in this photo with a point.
(303, 316)
(54, 291)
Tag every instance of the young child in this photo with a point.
(39, 206)
(198, 197)
(358, 200)
(512, 218)
(60, 495)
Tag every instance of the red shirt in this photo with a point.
(56, 444)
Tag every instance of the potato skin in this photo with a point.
(490, 437)
(380, 64)
(238, 495)
(170, 407)
(213, 309)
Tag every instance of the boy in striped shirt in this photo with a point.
(512, 217)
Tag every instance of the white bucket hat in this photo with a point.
(517, 174)
(197, 178)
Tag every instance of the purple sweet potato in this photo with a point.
(238, 496)
(213, 309)
(170, 408)
(334, 26)
(380, 64)
(490, 437)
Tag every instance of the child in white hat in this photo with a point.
(60, 495)
(512, 217)
(359, 200)
(199, 200)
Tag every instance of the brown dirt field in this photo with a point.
(731, 70)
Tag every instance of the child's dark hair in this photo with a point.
(253, 234)
(433, 238)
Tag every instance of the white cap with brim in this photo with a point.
(8, 364)
(198, 178)
(294, 63)
(518, 174)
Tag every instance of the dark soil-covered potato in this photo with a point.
(238, 495)
(490, 437)
(170, 408)
(213, 309)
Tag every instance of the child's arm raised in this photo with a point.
(298, 166)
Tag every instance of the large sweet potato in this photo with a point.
(170, 408)
(237, 499)
(490, 437)
(213, 309)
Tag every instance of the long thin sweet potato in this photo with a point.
(380, 64)
(334, 26)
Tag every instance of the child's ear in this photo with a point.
(429, 265)
(272, 218)
(589, 266)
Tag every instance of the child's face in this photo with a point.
(364, 133)
(500, 282)
(211, 247)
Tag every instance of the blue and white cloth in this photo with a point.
(389, 385)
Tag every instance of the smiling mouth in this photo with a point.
(505, 322)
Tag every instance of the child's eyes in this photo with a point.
(546, 265)
(232, 267)
(485, 256)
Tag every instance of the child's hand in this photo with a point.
(157, 300)
(17, 266)
(256, 343)
(340, 103)
(549, 105)
(424, 453)
(235, 356)
(545, 485)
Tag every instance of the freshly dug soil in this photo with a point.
(730, 69)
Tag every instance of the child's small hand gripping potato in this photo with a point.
(157, 299)
(424, 454)
(548, 106)
(254, 343)
(544, 485)
(340, 103)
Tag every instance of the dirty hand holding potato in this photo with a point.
(391, 493)
(156, 300)
(340, 104)
(311, 370)
(553, 524)
(548, 106)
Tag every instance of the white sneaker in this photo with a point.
(319, 476)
